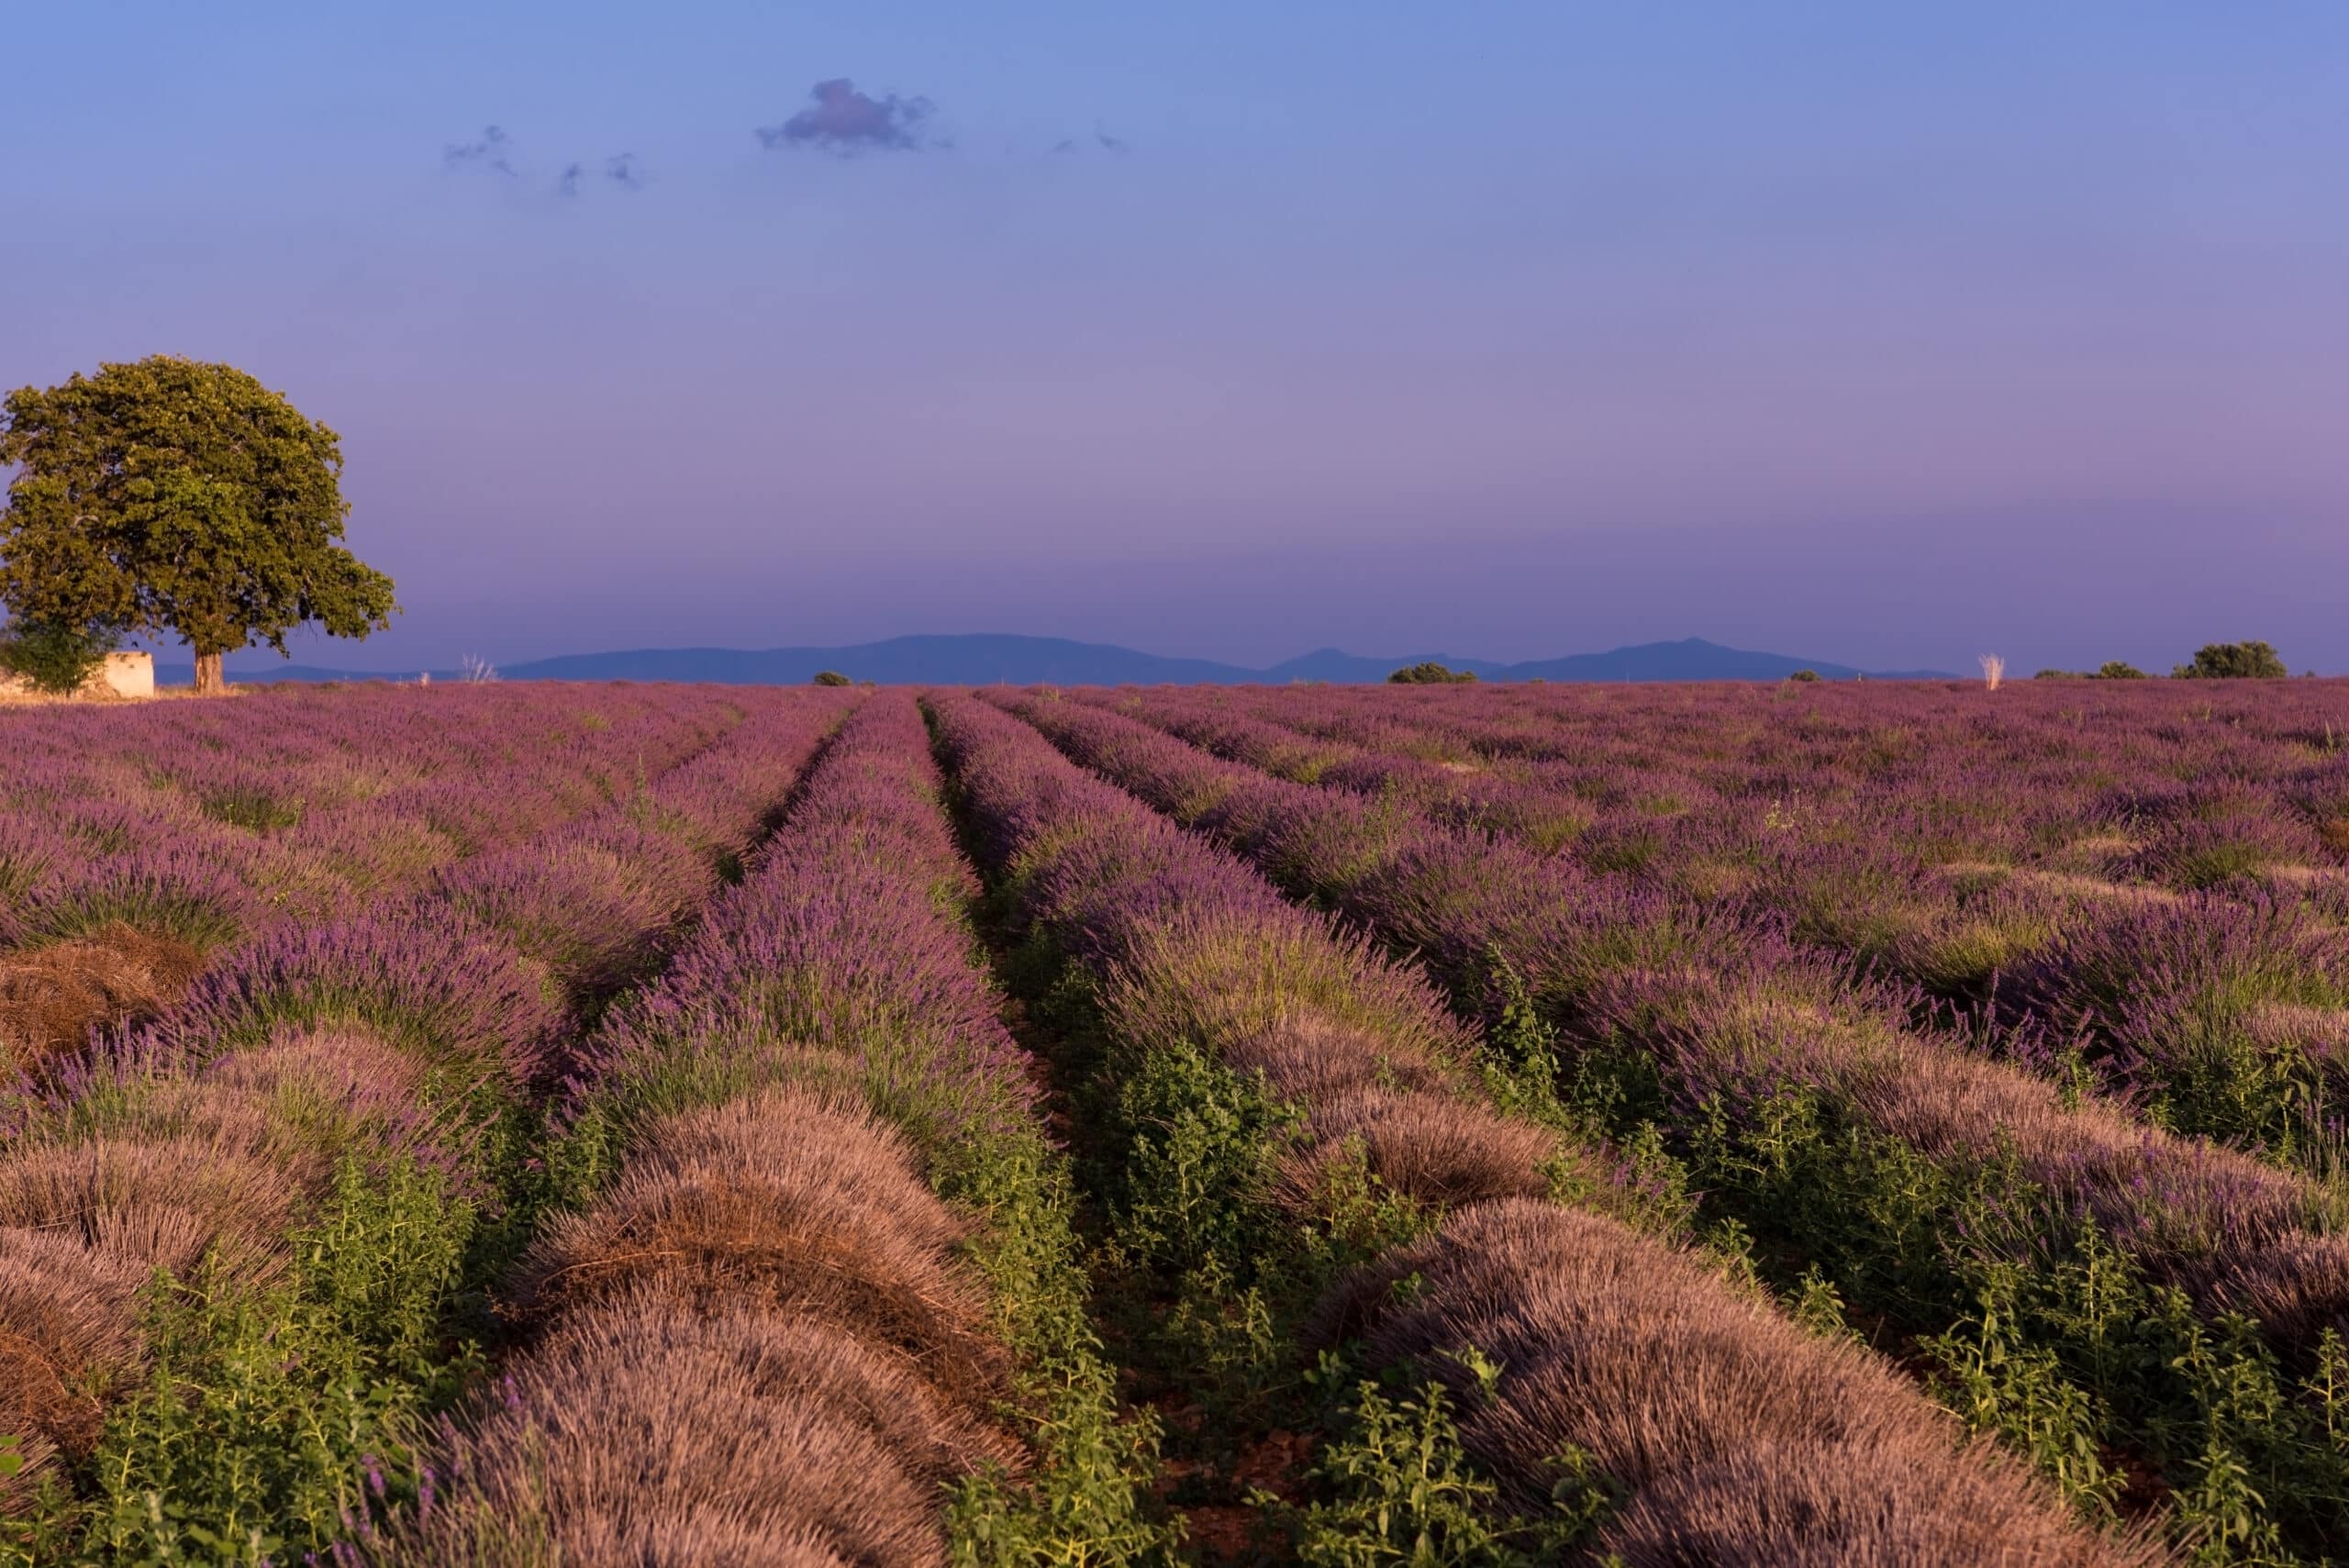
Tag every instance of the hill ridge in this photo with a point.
(987, 658)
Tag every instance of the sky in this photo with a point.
(1888, 335)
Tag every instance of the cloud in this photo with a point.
(494, 151)
(491, 152)
(1115, 146)
(848, 122)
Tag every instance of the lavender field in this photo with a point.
(1858, 1123)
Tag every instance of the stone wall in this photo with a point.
(125, 675)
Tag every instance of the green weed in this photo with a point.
(270, 1419)
(1402, 1489)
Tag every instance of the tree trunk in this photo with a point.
(209, 681)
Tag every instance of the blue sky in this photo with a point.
(1883, 334)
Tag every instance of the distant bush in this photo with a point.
(2118, 669)
(831, 678)
(2233, 662)
(1428, 674)
(53, 657)
(2061, 675)
(1804, 675)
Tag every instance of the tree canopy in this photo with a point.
(174, 497)
(1429, 672)
(2233, 661)
(58, 659)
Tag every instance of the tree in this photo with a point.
(175, 498)
(2233, 661)
(831, 678)
(1428, 674)
(2118, 669)
(53, 658)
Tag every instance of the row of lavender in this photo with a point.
(135, 845)
(1631, 1402)
(2121, 1303)
(2222, 1010)
(2142, 794)
(2168, 785)
(2163, 790)
(237, 1248)
(812, 1295)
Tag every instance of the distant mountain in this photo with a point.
(985, 659)
(1690, 659)
(975, 661)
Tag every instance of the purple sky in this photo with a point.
(1888, 335)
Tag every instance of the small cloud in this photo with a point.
(1115, 145)
(847, 122)
(492, 152)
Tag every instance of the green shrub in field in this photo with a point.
(1084, 1500)
(1428, 674)
(1200, 1145)
(831, 678)
(1404, 1491)
(2233, 661)
(2049, 1334)
(54, 657)
(271, 1420)
(1804, 676)
(2118, 669)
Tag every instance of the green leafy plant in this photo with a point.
(2039, 1328)
(270, 1419)
(1403, 1490)
(54, 656)
(1406, 1492)
(1998, 1381)
(1085, 1503)
(1429, 672)
(1198, 1145)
